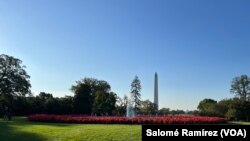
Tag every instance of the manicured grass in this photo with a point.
(242, 123)
(20, 129)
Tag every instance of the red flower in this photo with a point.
(125, 120)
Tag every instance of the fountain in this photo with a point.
(130, 106)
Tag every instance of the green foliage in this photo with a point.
(121, 106)
(164, 111)
(242, 110)
(207, 107)
(93, 96)
(43, 103)
(231, 114)
(223, 106)
(22, 130)
(104, 103)
(94, 85)
(82, 99)
(66, 105)
(232, 109)
(90, 94)
(22, 105)
(241, 87)
(237, 109)
(14, 80)
(136, 92)
(147, 108)
(177, 112)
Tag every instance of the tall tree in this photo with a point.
(87, 91)
(95, 84)
(104, 103)
(136, 92)
(241, 87)
(14, 80)
(207, 107)
(82, 101)
(66, 105)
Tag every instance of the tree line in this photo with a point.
(237, 108)
(91, 96)
(94, 97)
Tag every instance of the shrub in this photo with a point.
(125, 120)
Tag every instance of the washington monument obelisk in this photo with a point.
(156, 91)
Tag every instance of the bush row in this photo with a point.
(125, 120)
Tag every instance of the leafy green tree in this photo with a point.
(240, 86)
(164, 111)
(121, 105)
(104, 103)
(136, 92)
(232, 109)
(98, 105)
(21, 106)
(207, 107)
(45, 96)
(89, 95)
(14, 80)
(242, 110)
(66, 105)
(82, 101)
(177, 112)
(147, 108)
(94, 84)
(43, 103)
(231, 114)
(48, 103)
(223, 106)
(111, 101)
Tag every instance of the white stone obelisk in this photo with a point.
(156, 91)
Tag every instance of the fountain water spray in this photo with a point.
(130, 106)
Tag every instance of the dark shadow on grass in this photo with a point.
(9, 133)
(23, 121)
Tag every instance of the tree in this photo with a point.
(135, 92)
(164, 111)
(21, 106)
(242, 109)
(111, 100)
(177, 112)
(231, 114)
(207, 107)
(95, 85)
(121, 105)
(104, 103)
(240, 86)
(223, 106)
(82, 101)
(148, 108)
(66, 105)
(14, 80)
(87, 91)
(46, 103)
(45, 96)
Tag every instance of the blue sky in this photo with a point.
(196, 47)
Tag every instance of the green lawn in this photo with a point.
(19, 129)
(242, 123)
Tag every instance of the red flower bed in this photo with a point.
(125, 120)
